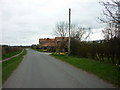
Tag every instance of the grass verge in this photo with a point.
(9, 66)
(4, 56)
(107, 72)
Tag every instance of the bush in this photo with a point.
(103, 51)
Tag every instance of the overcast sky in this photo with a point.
(23, 22)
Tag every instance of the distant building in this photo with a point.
(54, 44)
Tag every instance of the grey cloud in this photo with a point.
(24, 21)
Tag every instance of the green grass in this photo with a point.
(9, 66)
(7, 55)
(107, 72)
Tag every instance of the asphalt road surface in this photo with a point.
(39, 70)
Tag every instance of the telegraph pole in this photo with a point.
(69, 30)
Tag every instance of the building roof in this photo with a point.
(61, 38)
(46, 39)
(50, 42)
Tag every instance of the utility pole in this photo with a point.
(69, 30)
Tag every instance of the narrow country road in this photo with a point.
(39, 70)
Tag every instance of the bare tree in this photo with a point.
(110, 32)
(111, 16)
(61, 29)
(80, 33)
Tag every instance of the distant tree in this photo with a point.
(80, 33)
(61, 29)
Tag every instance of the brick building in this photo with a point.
(54, 44)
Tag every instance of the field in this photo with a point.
(8, 51)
